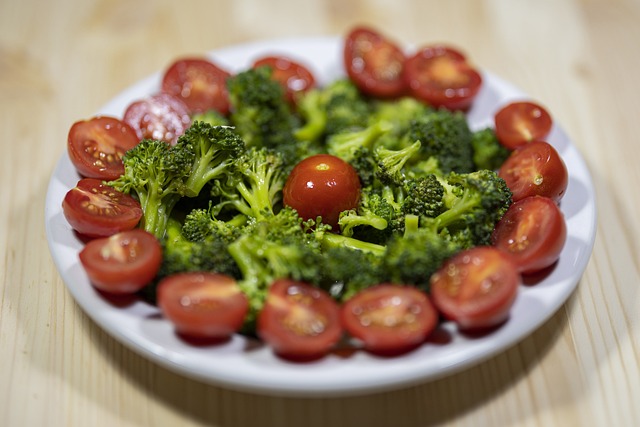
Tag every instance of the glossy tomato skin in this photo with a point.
(441, 76)
(203, 305)
(123, 263)
(533, 232)
(162, 116)
(521, 122)
(94, 209)
(96, 146)
(199, 83)
(476, 288)
(294, 77)
(374, 63)
(322, 185)
(535, 169)
(389, 319)
(299, 321)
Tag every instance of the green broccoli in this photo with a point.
(214, 150)
(212, 117)
(346, 108)
(255, 189)
(156, 174)
(488, 153)
(345, 144)
(200, 224)
(400, 113)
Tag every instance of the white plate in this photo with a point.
(247, 365)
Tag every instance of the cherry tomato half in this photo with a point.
(95, 209)
(519, 123)
(533, 232)
(293, 76)
(299, 321)
(535, 169)
(123, 263)
(389, 319)
(96, 146)
(374, 63)
(476, 288)
(203, 305)
(441, 76)
(322, 185)
(199, 83)
(163, 117)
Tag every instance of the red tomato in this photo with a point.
(123, 263)
(163, 117)
(96, 146)
(299, 321)
(374, 63)
(533, 232)
(476, 288)
(203, 305)
(293, 76)
(199, 83)
(521, 122)
(322, 185)
(389, 319)
(442, 77)
(535, 169)
(95, 209)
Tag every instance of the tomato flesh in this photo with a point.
(163, 117)
(203, 305)
(322, 185)
(476, 288)
(299, 321)
(96, 146)
(94, 209)
(123, 263)
(294, 77)
(533, 232)
(389, 319)
(535, 169)
(374, 63)
(441, 76)
(199, 83)
(519, 123)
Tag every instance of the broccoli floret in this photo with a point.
(156, 174)
(180, 255)
(212, 117)
(346, 108)
(311, 106)
(446, 137)
(390, 163)
(346, 271)
(345, 144)
(255, 189)
(424, 196)
(474, 204)
(260, 112)
(214, 150)
(400, 113)
(488, 153)
(200, 225)
(413, 257)
(276, 247)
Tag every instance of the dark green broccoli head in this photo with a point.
(346, 108)
(424, 197)
(488, 153)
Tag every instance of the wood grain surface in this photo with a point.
(62, 60)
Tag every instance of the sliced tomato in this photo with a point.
(162, 116)
(535, 169)
(96, 146)
(389, 319)
(299, 321)
(199, 83)
(476, 288)
(203, 305)
(533, 232)
(95, 209)
(294, 77)
(123, 263)
(374, 63)
(442, 77)
(322, 185)
(519, 123)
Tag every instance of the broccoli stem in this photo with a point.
(331, 240)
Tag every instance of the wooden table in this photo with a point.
(61, 60)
